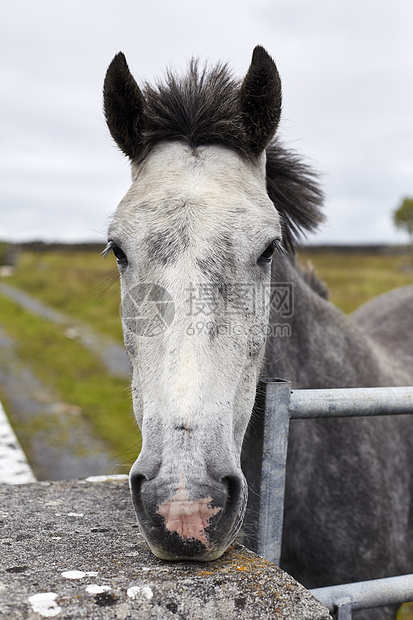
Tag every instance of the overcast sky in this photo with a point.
(347, 73)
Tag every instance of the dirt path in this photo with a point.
(111, 354)
(61, 443)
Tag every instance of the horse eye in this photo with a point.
(119, 254)
(266, 256)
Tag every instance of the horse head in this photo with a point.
(194, 238)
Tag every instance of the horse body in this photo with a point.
(387, 321)
(198, 242)
(328, 349)
(349, 481)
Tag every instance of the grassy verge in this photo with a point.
(353, 279)
(74, 374)
(80, 284)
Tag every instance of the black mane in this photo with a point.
(293, 188)
(203, 108)
(200, 108)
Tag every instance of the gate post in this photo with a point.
(264, 465)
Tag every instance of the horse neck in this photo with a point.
(321, 348)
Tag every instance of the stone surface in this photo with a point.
(73, 550)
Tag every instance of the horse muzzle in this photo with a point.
(189, 520)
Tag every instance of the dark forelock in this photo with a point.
(202, 108)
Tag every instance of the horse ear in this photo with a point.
(260, 97)
(123, 106)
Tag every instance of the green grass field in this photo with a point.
(82, 285)
(353, 279)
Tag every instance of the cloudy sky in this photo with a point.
(347, 72)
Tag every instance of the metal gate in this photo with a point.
(266, 478)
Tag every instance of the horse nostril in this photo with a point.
(234, 488)
(135, 481)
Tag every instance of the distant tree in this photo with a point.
(403, 217)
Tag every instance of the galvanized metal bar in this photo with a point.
(349, 402)
(367, 594)
(269, 437)
(273, 469)
(344, 610)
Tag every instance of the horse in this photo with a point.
(202, 238)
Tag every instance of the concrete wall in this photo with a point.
(73, 550)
